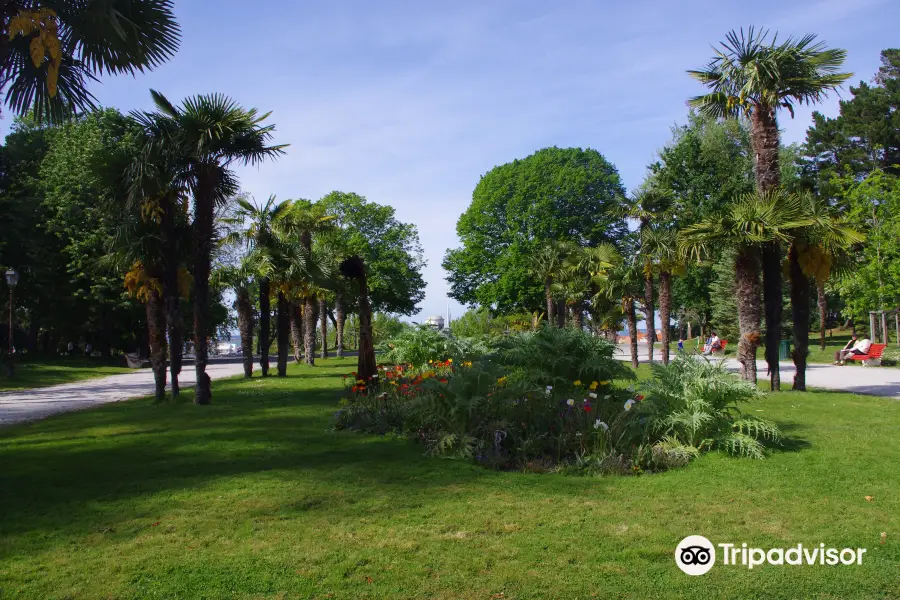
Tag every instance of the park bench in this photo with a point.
(873, 358)
(721, 348)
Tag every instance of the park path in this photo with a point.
(30, 405)
(856, 379)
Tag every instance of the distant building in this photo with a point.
(437, 322)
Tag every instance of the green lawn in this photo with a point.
(43, 372)
(257, 497)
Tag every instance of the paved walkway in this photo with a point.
(30, 405)
(856, 379)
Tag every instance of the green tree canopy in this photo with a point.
(555, 194)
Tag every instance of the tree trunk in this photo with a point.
(551, 306)
(245, 326)
(156, 330)
(340, 318)
(283, 329)
(297, 330)
(578, 316)
(171, 291)
(631, 315)
(309, 330)
(203, 242)
(649, 315)
(365, 366)
(747, 289)
(764, 139)
(265, 325)
(665, 307)
(323, 325)
(773, 301)
(823, 311)
(800, 292)
(560, 313)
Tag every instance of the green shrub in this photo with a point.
(417, 346)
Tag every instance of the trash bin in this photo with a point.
(784, 350)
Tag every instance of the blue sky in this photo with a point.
(409, 103)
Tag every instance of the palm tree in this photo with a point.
(241, 278)
(206, 135)
(816, 251)
(754, 77)
(49, 49)
(649, 205)
(659, 245)
(747, 225)
(354, 268)
(545, 264)
(260, 224)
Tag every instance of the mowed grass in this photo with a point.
(44, 372)
(257, 497)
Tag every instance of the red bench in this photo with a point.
(721, 348)
(873, 358)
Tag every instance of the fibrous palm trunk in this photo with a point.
(171, 291)
(297, 330)
(340, 318)
(577, 316)
(245, 326)
(551, 305)
(665, 308)
(323, 325)
(823, 311)
(800, 292)
(203, 243)
(631, 315)
(156, 330)
(365, 366)
(265, 324)
(309, 330)
(649, 315)
(560, 313)
(283, 329)
(748, 292)
(772, 298)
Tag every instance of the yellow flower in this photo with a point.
(604, 383)
(577, 382)
(593, 385)
(468, 363)
(430, 361)
(393, 383)
(502, 380)
(360, 382)
(450, 360)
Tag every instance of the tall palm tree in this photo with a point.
(259, 225)
(659, 245)
(241, 278)
(747, 225)
(754, 77)
(354, 269)
(649, 205)
(207, 135)
(545, 264)
(49, 49)
(815, 252)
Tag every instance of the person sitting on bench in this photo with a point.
(853, 347)
(713, 344)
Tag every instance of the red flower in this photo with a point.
(442, 380)
(638, 398)
(587, 408)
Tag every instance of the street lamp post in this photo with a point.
(12, 278)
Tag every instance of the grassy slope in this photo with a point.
(33, 374)
(256, 497)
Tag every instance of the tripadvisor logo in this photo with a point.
(696, 555)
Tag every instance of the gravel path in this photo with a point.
(856, 379)
(30, 405)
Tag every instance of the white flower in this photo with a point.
(593, 395)
(630, 388)
(549, 389)
(570, 402)
(629, 404)
(598, 424)
(375, 376)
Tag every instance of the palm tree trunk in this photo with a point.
(561, 313)
(323, 325)
(309, 330)
(365, 366)
(764, 139)
(800, 292)
(650, 315)
(823, 311)
(265, 324)
(297, 330)
(665, 308)
(773, 300)
(171, 291)
(156, 330)
(340, 318)
(283, 329)
(578, 316)
(245, 326)
(631, 314)
(551, 306)
(203, 242)
(747, 289)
